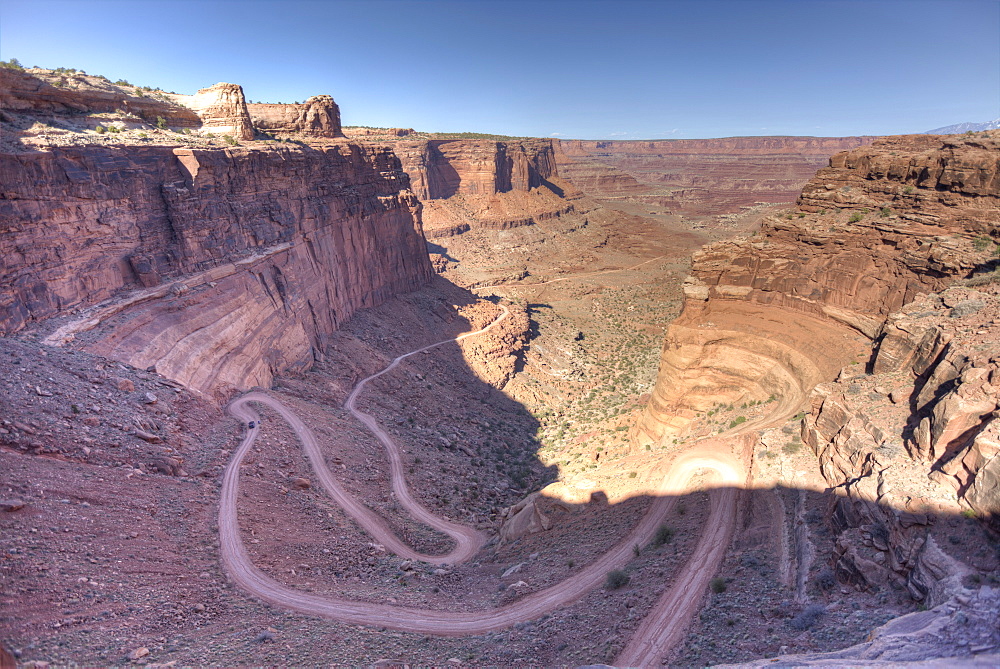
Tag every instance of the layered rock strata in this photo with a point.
(28, 93)
(222, 109)
(893, 226)
(934, 392)
(319, 117)
(315, 233)
(845, 278)
(702, 176)
(439, 169)
(485, 184)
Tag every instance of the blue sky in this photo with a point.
(592, 70)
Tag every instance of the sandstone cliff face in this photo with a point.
(222, 109)
(316, 234)
(937, 371)
(319, 116)
(846, 268)
(946, 182)
(439, 169)
(25, 93)
(594, 177)
(705, 176)
(828, 284)
(929, 408)
(467, 184)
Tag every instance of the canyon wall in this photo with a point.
(220, 109)
(487, 184)
(879, 226)
(858, 284)
(319, 116)
(701, 176)
(248, 257)
(928, 408)
(441, 168)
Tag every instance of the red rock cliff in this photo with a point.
(314, 233)
(319, 116)
(882, 224)
(852, 276)
(22, 92)
(706, 176)
(440, 168)
(222, 109)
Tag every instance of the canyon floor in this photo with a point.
(111, 555)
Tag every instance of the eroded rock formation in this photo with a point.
(439, 168)
(487, 184)
(319, 116)
(222, 109)
(36, 94)
(893, 234)
(845, 279)
(260, 253)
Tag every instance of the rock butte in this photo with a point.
(224, 267)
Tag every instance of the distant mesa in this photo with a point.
(364, 132)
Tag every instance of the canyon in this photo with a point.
(658, 308)
(701, 176)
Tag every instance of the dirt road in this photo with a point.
(665, 625)
(667, 621)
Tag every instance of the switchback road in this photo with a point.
(661, 629)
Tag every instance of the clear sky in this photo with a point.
(561, 68)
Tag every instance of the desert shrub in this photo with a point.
(632, 475)
(228, 139)
(100, 130)
(664, 535)
(737, 421)
(908, 189)
(617, 579)
(791, 448)
(885, 212)
(161, 123)
(718, 585)
(143, 135)
(808, 617)
(984, 279)
(826, 579)
(855, 217)
(12, 64)
(982, 243)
